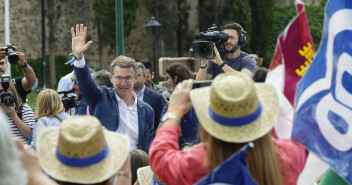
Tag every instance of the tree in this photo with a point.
(52, 15)
(104, 11)
(262, 13)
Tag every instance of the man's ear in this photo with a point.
(153, 75)
(111, 79)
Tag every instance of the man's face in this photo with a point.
(148, 76)
(139, 82)
(3, 66)
(75, 86)
(123, 80)
(231, 45)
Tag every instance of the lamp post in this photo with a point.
(153, 27)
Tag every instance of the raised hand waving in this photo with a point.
(79, 44)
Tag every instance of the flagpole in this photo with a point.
(7, 30)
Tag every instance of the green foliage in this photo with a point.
(226, 11)
(36, 64)
(241, 14)
(262, 24)
(104, 11)
(283, 15)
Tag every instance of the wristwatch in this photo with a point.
(25, 65)
(222, 65)
(170, 115)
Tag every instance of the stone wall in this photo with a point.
(26, 34)
(25, 28)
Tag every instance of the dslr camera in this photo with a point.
(11, 53)
(204, 48)
(6, 97)
(69, 102)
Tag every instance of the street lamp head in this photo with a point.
(153, 26)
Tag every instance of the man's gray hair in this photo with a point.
(139, 65)
(123, 62)
(11, 170)
(102, 78)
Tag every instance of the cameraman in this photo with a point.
(23, 84)
(231, 59)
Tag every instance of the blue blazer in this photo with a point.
(157, 102)
(103, 105)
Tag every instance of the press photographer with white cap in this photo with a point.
(232, 112)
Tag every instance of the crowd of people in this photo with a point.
(125, 129)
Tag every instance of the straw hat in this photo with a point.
(259, 60)
(147, 177)
(234, 109)
(80, 151)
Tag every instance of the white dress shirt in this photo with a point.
(128, 124)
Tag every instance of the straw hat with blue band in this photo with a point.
(235, 109)
(81, 152)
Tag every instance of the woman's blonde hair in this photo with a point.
(262, 160)
(48, 104)
(17, 99)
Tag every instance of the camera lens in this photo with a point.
(13, 58)
(204, 49)
(8, 101)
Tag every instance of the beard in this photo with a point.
(138, 85)
(233, 49)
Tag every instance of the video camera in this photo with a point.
(11, 53)
(6, 97)
(69, 102)
(204, 48)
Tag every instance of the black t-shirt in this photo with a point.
(19, 88)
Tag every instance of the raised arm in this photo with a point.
(202, 73)
(86, 84)
(29, 76)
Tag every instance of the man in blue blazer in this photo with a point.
(118, 108)
(154, 99)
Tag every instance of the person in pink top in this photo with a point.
(232, 112)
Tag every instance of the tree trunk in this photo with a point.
(51, 17)
(100, 46)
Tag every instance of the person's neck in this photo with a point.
(137, 91)
(234, 54)
(128, 99)
(150, 85)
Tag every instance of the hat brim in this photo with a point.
(46, 149)
(238, 134)
(145, 175)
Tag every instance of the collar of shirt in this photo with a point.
(122, 102)
(140, 95)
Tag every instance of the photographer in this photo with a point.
(231, 59)
(23, 84)
(20, 116)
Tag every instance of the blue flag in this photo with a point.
(323, 104)
(233, 170)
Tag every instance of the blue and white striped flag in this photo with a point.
(323, 104)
